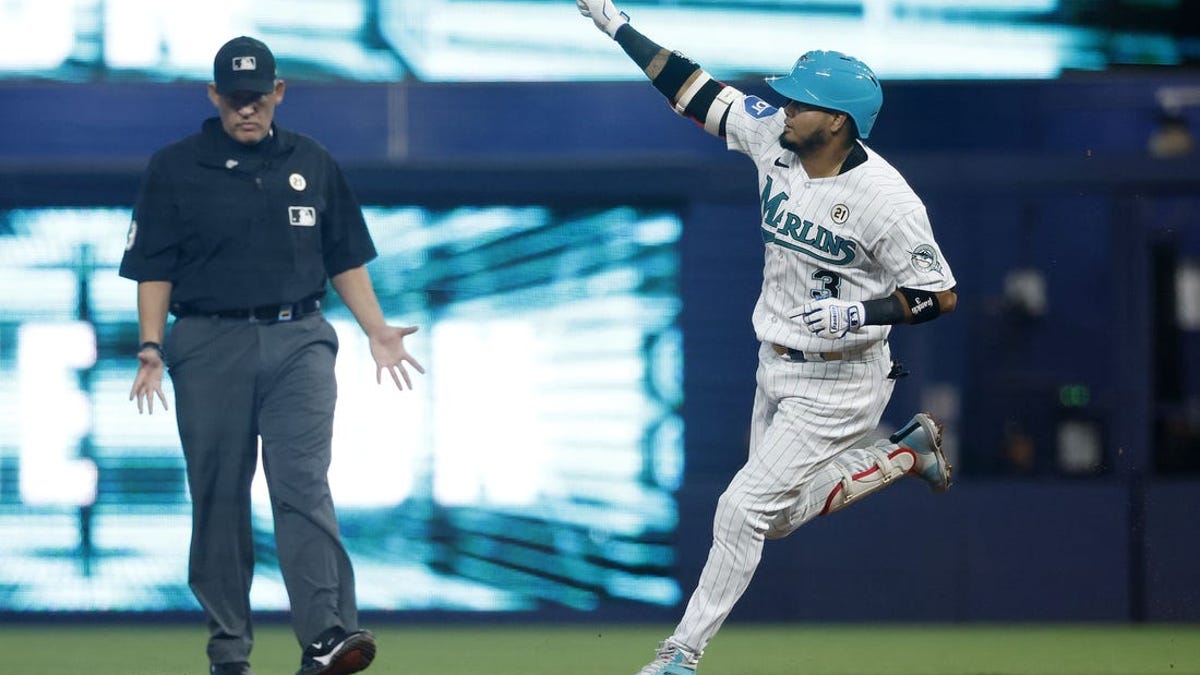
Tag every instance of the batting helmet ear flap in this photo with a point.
(835, 81)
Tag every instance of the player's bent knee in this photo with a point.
(780, 525)
(735, 510)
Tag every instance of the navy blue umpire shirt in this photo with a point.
(234, 226)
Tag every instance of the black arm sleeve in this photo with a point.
(923, 305)
(883, 311)
(643, 50)
(639, 47)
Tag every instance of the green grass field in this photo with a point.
(804, 649)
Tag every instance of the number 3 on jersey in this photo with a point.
(829, 284)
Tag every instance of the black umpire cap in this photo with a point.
(244, 64)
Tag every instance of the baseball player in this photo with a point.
(849, 252)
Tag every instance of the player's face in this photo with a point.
(807, 128)
(246, 115)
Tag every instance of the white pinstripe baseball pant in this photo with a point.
(806, 414)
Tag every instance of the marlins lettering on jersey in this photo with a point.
(791, 231)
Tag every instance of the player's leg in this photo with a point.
(742, 517)
(213, 365)
(866, 388)
(803, 414)
(674, 656)
(915, 449)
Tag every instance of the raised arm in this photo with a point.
(692, 92)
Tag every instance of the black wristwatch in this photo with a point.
(156, 347)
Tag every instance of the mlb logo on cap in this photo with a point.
(244, 64)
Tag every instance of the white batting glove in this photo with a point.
(830, 317)
(604, 14)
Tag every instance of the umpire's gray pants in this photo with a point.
(236, 381)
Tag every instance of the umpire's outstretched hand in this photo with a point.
(387, 348)
(148, 382)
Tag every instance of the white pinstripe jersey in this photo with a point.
(856, 236)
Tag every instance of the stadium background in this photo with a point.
(583, 266)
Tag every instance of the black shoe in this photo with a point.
(237, 668)
(337, 652)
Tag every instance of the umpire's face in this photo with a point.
(246, 115)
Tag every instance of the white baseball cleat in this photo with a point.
(673, 659)
(923, 436)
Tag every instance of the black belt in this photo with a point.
(792, 354)
(797, 355)
(263, 314)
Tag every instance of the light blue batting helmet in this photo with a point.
(835, 81)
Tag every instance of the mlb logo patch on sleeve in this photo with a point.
(302, 216)
(758, 108)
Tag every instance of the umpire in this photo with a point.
(235, 231)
